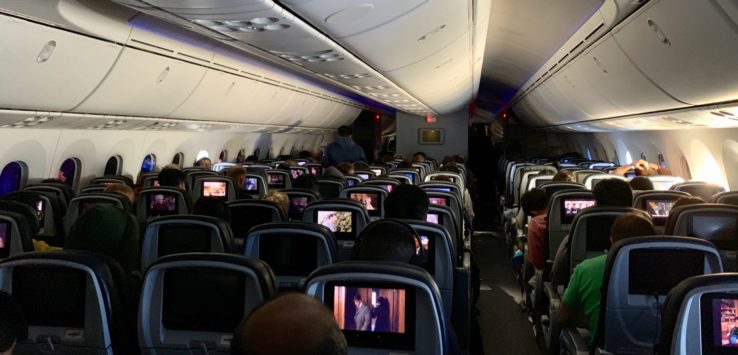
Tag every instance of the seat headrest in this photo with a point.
(23, 209)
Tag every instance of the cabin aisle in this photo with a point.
(504, 327)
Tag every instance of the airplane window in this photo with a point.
(178, 159)
(149, 163)
(685, 169)
(113, 166)
(628, 157)
(12, 177)
(69, 171)
(241, 157)
(662, 161)
(223, 157)
(589, 154)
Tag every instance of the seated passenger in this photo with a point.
(122, 189)
(280, 198)
(213, 207)
(172, 178)
(468, 203)
(564, 176)
(304, 154)
(607, 193)
(535, 204)
(345, 168)
(641, 183)
(405, 165)
(290, 324)
(407, 202)
(389, 240)
(107, 230)
(419, 157)
(580, 304)
(13, 326)
(237, 174)
(642, 168)
(687, 200)
(204, 163)
(306, 181)
(336, 172)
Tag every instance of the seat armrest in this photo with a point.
(572, 342)
(466, 260)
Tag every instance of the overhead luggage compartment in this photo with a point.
(44, 68)
(688, 48)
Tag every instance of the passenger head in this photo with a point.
(534, 202)
(419, 157)
(361, 165)
(630, 225)
(172, 178)
(204, 163)
(122, 189)
(333, 171)
(306, 181)
(687, 200)
(213, 207)
(345, 168)
(386, 240)
(405, 164)
(290, 324)
(641, 183)
(564, 176)
(613, 193)
(280, 198)
(13, 325)
(407, 202)
(450, 167)
(304, 154)
(345, 131)
(237, 173)
(107, 230)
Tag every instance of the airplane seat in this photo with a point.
(694, 314)
(80, 203)
(580, 175)
(15, 234)
(410, 173)
(536, 181)
(213, 186)
(727, 197)
(443, 216)
(524, 175)
(247, 214)
(330, 186)
(589, 237)
(401, 177)
(716, 223)
(385, 182)
(454, 282)
(162, 201)
(378, 170)
(701, 189)
(555, 186)
(297, 171)
(27, 213)
(365, 174)
(456, 179)
(299, 199)
(447, 199)
(93, 189)
(278, 179)
(600, 165)
(115, 179)
(314, 169)
(345, 218)
(193, 302)
(292, 249)
(591, 180)
(664, 182)
(150, 179)
(169, 235)
(352, 180)
(50, 212)
(657, 204)
(639, 272)
(443, 186)
(191, 174)
(64, 191)
(416, 322)
(370, 195)
(256, 186)
(97, 312)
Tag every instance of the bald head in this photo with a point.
(290, 324)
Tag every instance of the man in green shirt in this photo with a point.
(580, 305)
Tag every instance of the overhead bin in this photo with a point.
(144, 84)
(688, 48)
(220, 96)
(47, 68)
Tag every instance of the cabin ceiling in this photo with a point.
(522, 35)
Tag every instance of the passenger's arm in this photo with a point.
(621, 170)
(572, 317)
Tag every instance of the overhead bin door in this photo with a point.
(144, 84)
(44, 68)
(687, 47)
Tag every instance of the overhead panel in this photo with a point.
(47, 68)
(688, 48)
(264, 25)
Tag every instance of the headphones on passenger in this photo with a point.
(420, 256)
